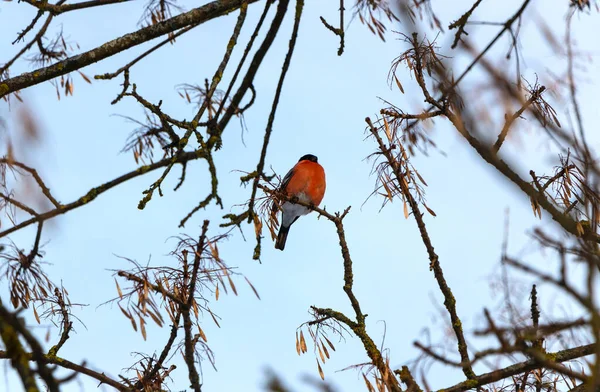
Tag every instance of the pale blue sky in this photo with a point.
(323, 106)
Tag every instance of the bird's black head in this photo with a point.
(309, 157)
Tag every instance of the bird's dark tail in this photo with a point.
(282, 237)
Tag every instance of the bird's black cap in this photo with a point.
(309, 157)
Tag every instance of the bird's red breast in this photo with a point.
(308, 178)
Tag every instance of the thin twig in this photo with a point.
(510, 120)
(269, 128)
(18, 204)
(110, 75)
(253, 67)
(36, 177)
(66, 322)
(340, 30)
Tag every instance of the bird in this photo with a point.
(305, 181)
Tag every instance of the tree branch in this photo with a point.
(196, 16)
(510, 120)
(531, 364)
(449, 300)
(269, 128)
(10, 329)
(94, 192)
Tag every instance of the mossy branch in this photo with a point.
(358, 326)
(195, 16)
(434, 263)
(519, 368)
(18, 357)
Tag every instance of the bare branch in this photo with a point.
(94, 192)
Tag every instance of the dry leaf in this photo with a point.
(156, 318)
(84, 76)
(303, 342)
(214, 250)
(329, 343)
(35, 313)
(555, 120)
(325, 350)
(118, 289)
(578, 226)
(369, 385)
(214, 318)
(143, 327)
(195, 308)
(421, 178)
(386, 126)
(429, 210)
(399, 85)
(133, 324)
(320, 371)
(202, 334)
(252, 287)
(298, 350)
(126, 313)
(14, 299)
(232, 285)
(321, 353)
(257, 225)
(387, 189)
